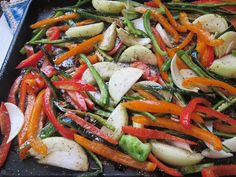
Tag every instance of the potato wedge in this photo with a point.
(108, 6)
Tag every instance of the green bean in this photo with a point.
(133, 30)
(104, 54)
(166, 65)
(102, 86)
(47, 131)
(183, 5)
(147, 26)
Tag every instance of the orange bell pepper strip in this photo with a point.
(201, 33)
(158, 107)
(224, 128)
(157, 16)
(172, 125)
(160, 62)
(113, 155)
(83, 47)
(194, 81)
(146, 95)
(92, 58)
(186, 41)
(219, 170)
(177, 26)
(33, 126)
(22, 136)
(47, 21)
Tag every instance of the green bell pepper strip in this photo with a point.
(147, 26)
(134, 147)
(102, 86)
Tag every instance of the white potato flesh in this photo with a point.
(225, 66)
(86, 30)
(63, 153)
(213, 23)
(175, 156)
(231, 144)
(138, 23)
(118, 118)
(167, 95)
(109, 39)
(122, 80)
(228, 45)
(213, 154)
(138, 53)
(16, 120)
(105, 69)
(178, 78)
(130, 40)
(108, 6)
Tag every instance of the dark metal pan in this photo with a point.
(38, 9)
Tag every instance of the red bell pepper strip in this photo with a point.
(90, 127)
(73, 85)
(159, 39)
(219, 170)
(113, 155)
(29, 50)
(151, 4)
(213, 113)
(208, 56)
(185, 115)
(144, 133)
(89, 102)
(115, 49)
(163, 167)
(54, 33)
(77, 100)
(5, 129)
(49, 70)
(233, 22)
(65, 132)
(79, 72)
(14, 88)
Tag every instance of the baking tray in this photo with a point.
(38, 9)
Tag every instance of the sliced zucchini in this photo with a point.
(130, 40)
(121, 81)
(85, 31)
(63, 153)
(105, 69)
(138, 53)
(212, 22)
(118, 118)
(167, 95)
(228, 45)
(225, 66)
(109, 38)
(173, 155)
(108, 6)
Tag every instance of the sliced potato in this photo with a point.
(167, 95)
(138, 23)
(173, 155)
(121, 81)
(178, 78)
(63, 153)
(118, 118)
(108, 6)
(130, 40)
(85, 31)
(228, 45)
(225, 66)
(212, 22)
(105, 69)
(109, 38)
(138, 53)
